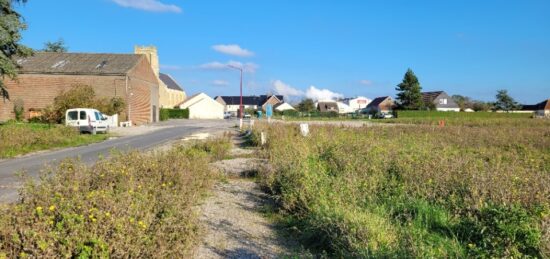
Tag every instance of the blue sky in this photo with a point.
(317, 48)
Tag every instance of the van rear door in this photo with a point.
(72, 118)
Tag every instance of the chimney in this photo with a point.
(151, 53)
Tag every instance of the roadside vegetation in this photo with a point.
(17, 138)
(414, 190)
(135, 205)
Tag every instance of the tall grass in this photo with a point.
(414, 191)
(20, 138)
(133, 205)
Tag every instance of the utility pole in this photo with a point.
(241, 112)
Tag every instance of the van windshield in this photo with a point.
(97, 116)
(73, 115)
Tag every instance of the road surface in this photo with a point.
(32, 164)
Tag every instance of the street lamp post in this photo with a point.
(241, 112)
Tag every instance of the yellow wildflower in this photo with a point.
(52, 208)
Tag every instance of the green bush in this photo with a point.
(19, 109)
(136, 205)
(80, 96)
(166, 114)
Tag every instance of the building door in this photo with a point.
(154, 113)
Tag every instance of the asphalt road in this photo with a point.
(33, 164)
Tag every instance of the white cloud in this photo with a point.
(234, 50)
(283, 89)
(365, 82)
(220, 83)
(170, 67)
(149, 5)
(247, 67)
(322, 94)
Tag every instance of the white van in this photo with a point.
(87, 120)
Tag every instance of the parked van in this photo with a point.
(87, 120)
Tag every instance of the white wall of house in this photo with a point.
(203, 107)
(358, 103)
(344, 108)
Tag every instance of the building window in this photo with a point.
(443, 101)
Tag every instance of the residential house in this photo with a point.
(170, 92)
(441, 100)
(232, 103)
(383, 104)
(45, 75)
(344, 108)
(327, 106)
(202, 106)
(357, 103)
(541, 109)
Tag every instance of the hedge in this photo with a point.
(166, 114)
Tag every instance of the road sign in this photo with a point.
(269, 110)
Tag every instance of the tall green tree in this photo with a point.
(55, 46)
(306, 105)
(11, 25)
(505, 102)
(409, 95)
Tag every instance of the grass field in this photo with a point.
(475, 188)
(22, 138)
(135, 205)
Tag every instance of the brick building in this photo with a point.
(43, 76)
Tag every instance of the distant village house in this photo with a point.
(383, 104)
(441, 101)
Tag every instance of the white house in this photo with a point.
(357, 103)
(344, 108)
(201, 106)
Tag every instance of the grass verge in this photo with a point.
(22, 138)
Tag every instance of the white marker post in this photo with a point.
(263, 138)
(304, 129)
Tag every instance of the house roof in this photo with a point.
(190, 101)
(78, 63)
(170, 82)
(327, 106)
(377, 101)
(282, 104)
(429, 97)
(248, 100)
(544, 105)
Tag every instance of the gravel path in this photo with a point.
(233, 224)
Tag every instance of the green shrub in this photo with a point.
(80, 96)
(166, 114)
(134, 205)
(19, 109)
